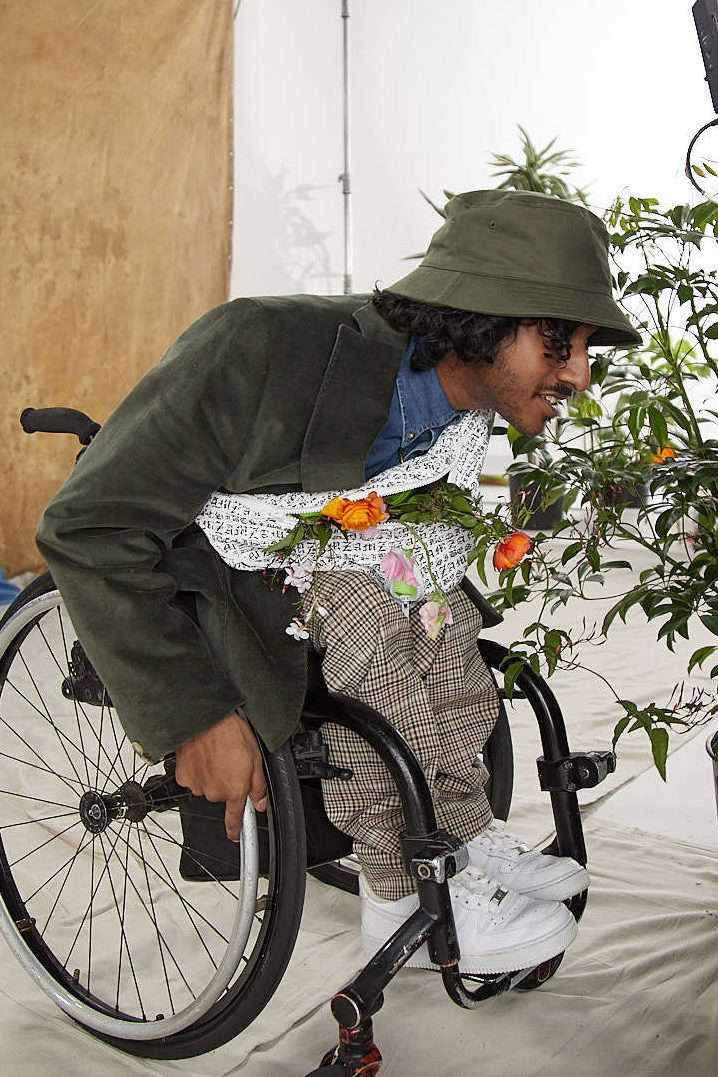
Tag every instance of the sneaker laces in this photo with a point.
(496, 835)
(476, 890)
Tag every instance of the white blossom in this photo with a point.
(299, 576)
(297, 629)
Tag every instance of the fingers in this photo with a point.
(258, 789)
(224, 763)
(233, 813)
(234, 809)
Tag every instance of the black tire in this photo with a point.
(84, 751)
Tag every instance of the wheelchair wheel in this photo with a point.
(159, 961)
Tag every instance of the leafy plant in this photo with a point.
(645, 424)
(540, 170)
(659, 433)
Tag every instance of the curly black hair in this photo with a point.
(441, 330)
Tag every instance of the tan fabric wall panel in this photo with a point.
(115, 201)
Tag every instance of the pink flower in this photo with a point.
(398, 568)
(299, 576)
(434, 614)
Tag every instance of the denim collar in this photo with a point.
(422, 401)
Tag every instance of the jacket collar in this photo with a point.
(352, 402)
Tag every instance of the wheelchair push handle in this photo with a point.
(59, 421)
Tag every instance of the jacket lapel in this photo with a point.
(352, 402)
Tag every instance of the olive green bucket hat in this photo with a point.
(523, 255)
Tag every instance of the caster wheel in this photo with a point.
(540, 974)
(367, 1065)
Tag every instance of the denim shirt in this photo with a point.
(418, 413)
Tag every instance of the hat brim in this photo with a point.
(529, 299)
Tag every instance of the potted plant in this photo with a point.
(665, 424)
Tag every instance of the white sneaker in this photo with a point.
(498, 930)
(517, 866)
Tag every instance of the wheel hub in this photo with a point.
(96, 811)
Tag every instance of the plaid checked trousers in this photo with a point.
(437, 693)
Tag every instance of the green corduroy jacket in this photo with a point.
(258, 395)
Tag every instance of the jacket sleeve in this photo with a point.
(106, 533)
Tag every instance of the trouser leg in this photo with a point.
(436, 693)
(465, 706)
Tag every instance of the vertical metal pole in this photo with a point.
(345, 176)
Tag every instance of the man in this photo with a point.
(277, 400)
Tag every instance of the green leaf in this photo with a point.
(512, 671)
(659, 747)
(322, 534)
(552, 649)
(698, 657)
(710, 620)
(619, 728)
(571, 550)
(658, 425)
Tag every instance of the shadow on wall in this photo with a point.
(280, 242)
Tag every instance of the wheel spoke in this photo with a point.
(153, 914)
(47, 770)
(38, 800)
(147, 911)
(47, 713)
(93, 892)
(122, 926)
(47, 717)
(74, 860)
(76, 702)
(77, 716)
(123, 937)
(185, 903)
(53, 837)
(40, 819)
(37, 755)
(167, 880)
(166, 836)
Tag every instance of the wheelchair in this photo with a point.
(125, 902)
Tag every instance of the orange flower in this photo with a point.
(356, 515)
(511, 550)
(666, 453)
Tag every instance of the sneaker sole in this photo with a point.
(505, 960)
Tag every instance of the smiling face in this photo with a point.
(524, 384)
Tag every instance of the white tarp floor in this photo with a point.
(637, 991)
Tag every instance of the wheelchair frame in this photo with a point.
(272, 850)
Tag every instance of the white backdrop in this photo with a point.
(437, 87)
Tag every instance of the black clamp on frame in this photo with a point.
(436, 857)
(311, 758)
(578, 770)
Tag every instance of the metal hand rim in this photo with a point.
(241, 927)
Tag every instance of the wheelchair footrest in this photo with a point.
(577, 770)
